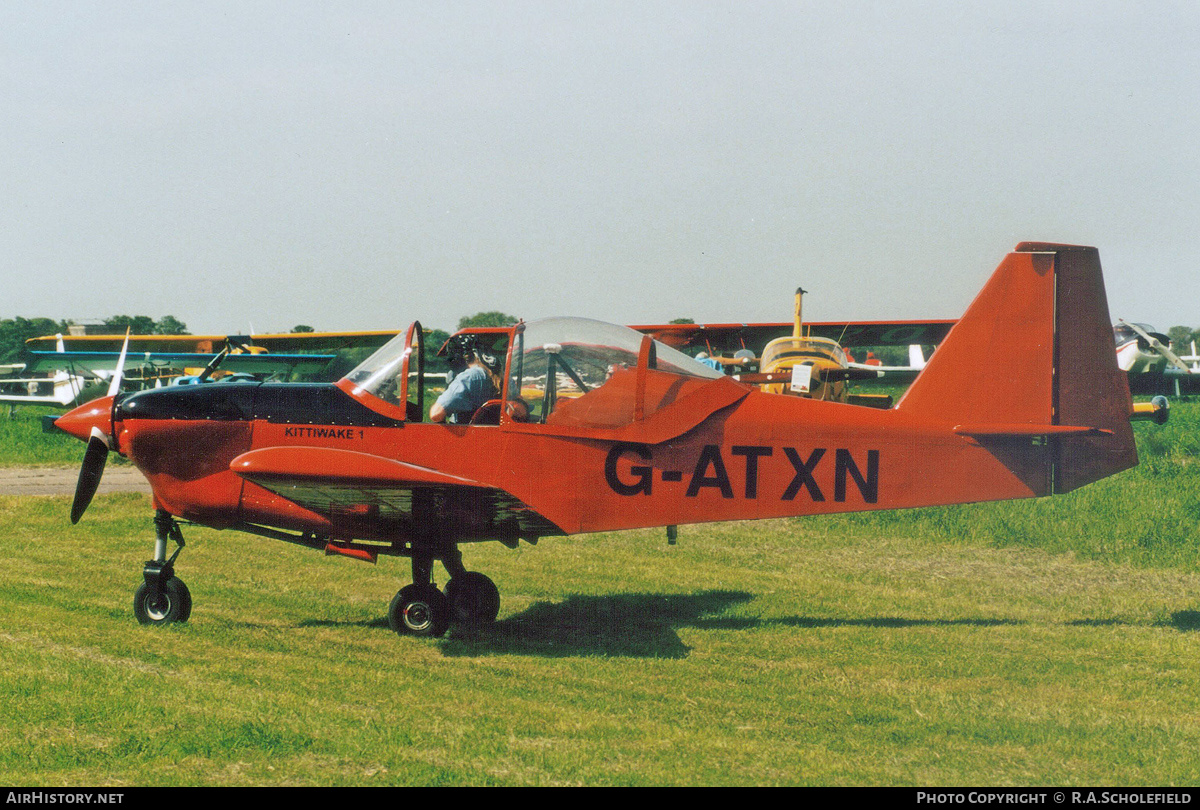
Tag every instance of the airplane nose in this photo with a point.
(80, 421)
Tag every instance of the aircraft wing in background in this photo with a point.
(103, 364)
(727, 338)
(294, 342)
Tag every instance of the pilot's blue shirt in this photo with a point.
(466, 392)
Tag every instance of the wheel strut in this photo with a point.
(163, 598)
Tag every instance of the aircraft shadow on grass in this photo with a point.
(635, 625)
(631, 625)
(1186, 620)
(644, 625)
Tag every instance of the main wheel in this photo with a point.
(419, 610)
(474, 599)
(172, 604)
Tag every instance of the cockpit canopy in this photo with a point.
(1124, 333)
(563, 359)
(551, 361)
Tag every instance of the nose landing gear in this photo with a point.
(163, 598)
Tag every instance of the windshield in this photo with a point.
(789, 351)
(379, 374)
(382, 376)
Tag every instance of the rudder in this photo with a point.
(1090, 387)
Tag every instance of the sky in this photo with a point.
(360, 165)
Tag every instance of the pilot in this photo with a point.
(470, 388)
(458, 353)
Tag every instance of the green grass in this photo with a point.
(1145, 516)
(1033, 643)
(23, 444)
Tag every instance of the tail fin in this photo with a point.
(916, 357)
(1034, 356)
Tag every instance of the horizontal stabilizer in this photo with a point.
(1022, 429)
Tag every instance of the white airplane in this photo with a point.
(60, 388)
(916, 362)
(1146, 356)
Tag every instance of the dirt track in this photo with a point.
(56, 481)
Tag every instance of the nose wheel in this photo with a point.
(163, 598)
(169, 603)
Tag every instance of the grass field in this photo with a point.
(1028, 643)
(22, 442)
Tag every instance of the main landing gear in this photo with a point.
(163, 598)
(471, 599)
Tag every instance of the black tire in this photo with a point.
(174, 604)
(474, 599)
(419, 610)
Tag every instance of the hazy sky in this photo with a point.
(358, 165)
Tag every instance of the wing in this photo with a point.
(102, 364)
(37, 399)
(318, 341)
(344, 485)
(730, 337)
(211, 344)
(916, 362)
(61, 389)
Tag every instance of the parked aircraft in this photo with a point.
(752, 350)
(21, 385)
(60, 389)
(595, 427)
(1142, 353)
(81, 366)
(1152, 365)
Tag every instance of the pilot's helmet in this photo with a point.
(492, 361)
(459, 350)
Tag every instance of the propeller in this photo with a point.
(98, 445)
(114, 387)
(94, 459)
(212, 365)
(1157, 345)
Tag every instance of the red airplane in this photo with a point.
(599, 428)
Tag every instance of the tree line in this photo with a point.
(15, 331)
(1182, 338)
